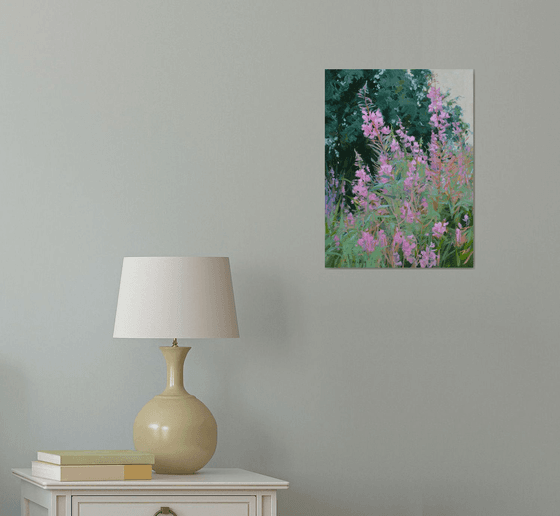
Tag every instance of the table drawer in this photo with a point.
(149, 505)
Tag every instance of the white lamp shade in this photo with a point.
(176, 297)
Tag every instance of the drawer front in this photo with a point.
(140, 505)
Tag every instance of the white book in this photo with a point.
(63, 457)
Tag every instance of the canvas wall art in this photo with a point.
(399, 168)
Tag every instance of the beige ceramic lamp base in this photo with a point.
(175, 426)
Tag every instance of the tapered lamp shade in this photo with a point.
(176, 297)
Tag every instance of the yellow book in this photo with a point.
(76, 473)
(71, 457)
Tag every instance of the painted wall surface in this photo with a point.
(146, 128)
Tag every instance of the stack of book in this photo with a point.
(80, 465)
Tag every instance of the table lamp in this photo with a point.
(176, 298)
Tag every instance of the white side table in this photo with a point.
(209, 492)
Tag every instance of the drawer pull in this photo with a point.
(165, 510)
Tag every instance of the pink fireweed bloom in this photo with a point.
(367, 242)
(374, 200)
(376, 118)
(456, 129)
(434, 94)
(373, 124)
(408, 213)
(397, 238)
(408, 246)
(409, 142)
(337, 240)
(385, 170)
(439, 229)
(439, 118)
(382, 238)
(411, 180)
(434, 119)
(360, 189)
(463, 173)
(428, 258)
(460, 238)
(412, 177)
(433, 148)
(394, 146)
(363, 175)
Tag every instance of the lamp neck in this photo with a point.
(175, 358)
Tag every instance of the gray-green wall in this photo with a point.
(138, 128)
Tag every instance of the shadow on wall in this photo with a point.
(14, 434)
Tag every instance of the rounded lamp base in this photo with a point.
(175, 426)
(179, 430)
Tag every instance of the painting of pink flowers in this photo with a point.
(399, 168)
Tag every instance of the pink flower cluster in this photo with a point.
(385, 174)
(438, 121)
(440, 116)
(409, 142)
(368, 243)
(408, 213)
(408, 244)
(439, 229)
(373, 124)
(363, 198)
(428, 257)
(460, 237)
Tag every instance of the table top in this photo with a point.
(206, 478)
